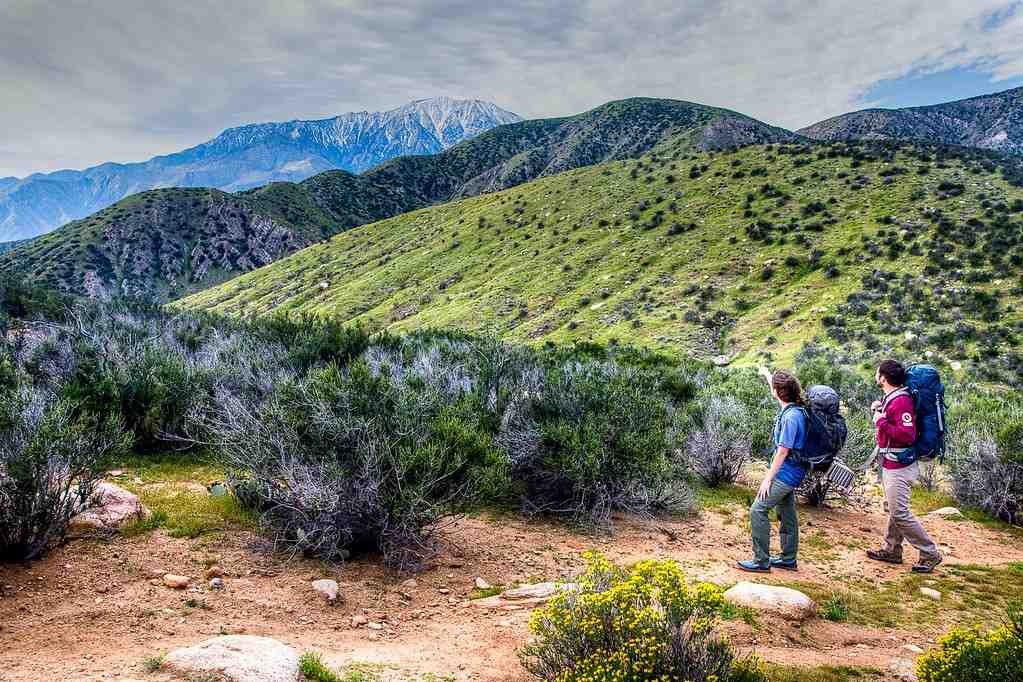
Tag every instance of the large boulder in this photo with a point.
(110, 508)
(781, 601)
(236, 658)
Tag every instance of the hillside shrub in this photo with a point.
(967, 654)
(366, 457)
(645, 623)
(982, 450)
(598, 437)
(50, 461)
(719, 444)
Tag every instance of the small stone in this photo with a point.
(114, 473)
(948, 513)
(326, 588)
(217, 584)
(444, 590)
(177, 582)
(214, 572)
(722, 360)
(912, 648)
(482, 584)
(930, 593)
(409, 584)
(358, 620)
(375, 626)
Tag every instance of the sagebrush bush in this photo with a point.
(364, 457)
(645, 623)
(595, 438)
(981, 457)
(50, 461)
(719, 444)
(967, 654)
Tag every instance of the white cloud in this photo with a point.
(85, 82)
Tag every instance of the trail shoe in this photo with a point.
(926, 564)
(753, 566)
(784, 564)
(884, 555)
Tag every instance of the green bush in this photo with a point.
(967, 654)
(645, 623)
(598, 437)
(50, 461)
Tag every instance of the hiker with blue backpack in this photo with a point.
(778, 489)
(808, 434)
(910, 425)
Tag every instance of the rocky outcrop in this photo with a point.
(987, 122)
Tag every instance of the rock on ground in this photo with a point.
(782, 601)
(948, 513)
(526, 595)
(326, 588)
(930, 593)
(236, 658)
(112, 507)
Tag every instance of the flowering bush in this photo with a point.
(966, 654)
(646, 623)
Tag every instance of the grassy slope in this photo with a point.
(165, 243)
(536, 263)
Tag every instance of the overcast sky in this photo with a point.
(89, 81)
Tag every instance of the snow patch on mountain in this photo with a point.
(249, 156)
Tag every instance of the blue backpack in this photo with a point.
(924, 384)
(826, 430)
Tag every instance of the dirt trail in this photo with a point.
(90, 610)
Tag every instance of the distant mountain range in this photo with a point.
(165, 243)
(992, 122)
(246, 157)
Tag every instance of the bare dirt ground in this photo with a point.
(95, 610)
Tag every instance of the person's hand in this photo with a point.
(765, 490)
(878, 416)
(875, 406)
(764, 372)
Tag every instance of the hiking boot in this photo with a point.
(926, 564)
(753, 566)
(784, 564)
(884, 555)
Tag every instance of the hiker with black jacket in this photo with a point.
(778, 489)
(895, 421)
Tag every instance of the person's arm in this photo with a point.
(779, 458)
(766, 374)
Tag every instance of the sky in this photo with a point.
(88, 81)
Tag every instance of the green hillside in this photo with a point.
(165, 243)
(757, 250)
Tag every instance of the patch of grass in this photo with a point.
(169, 468)
(817, 546)
(152, 664)
(313, 669)
(835, 608)
(730, 611)
(491, 591)
(724, 498)
(969, 593)
(924, 501)
(826, 673)
(189, 513)
(158, 519)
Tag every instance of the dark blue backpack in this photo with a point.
(826, 430)
(924, 384)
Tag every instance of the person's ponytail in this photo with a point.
(788, 388)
